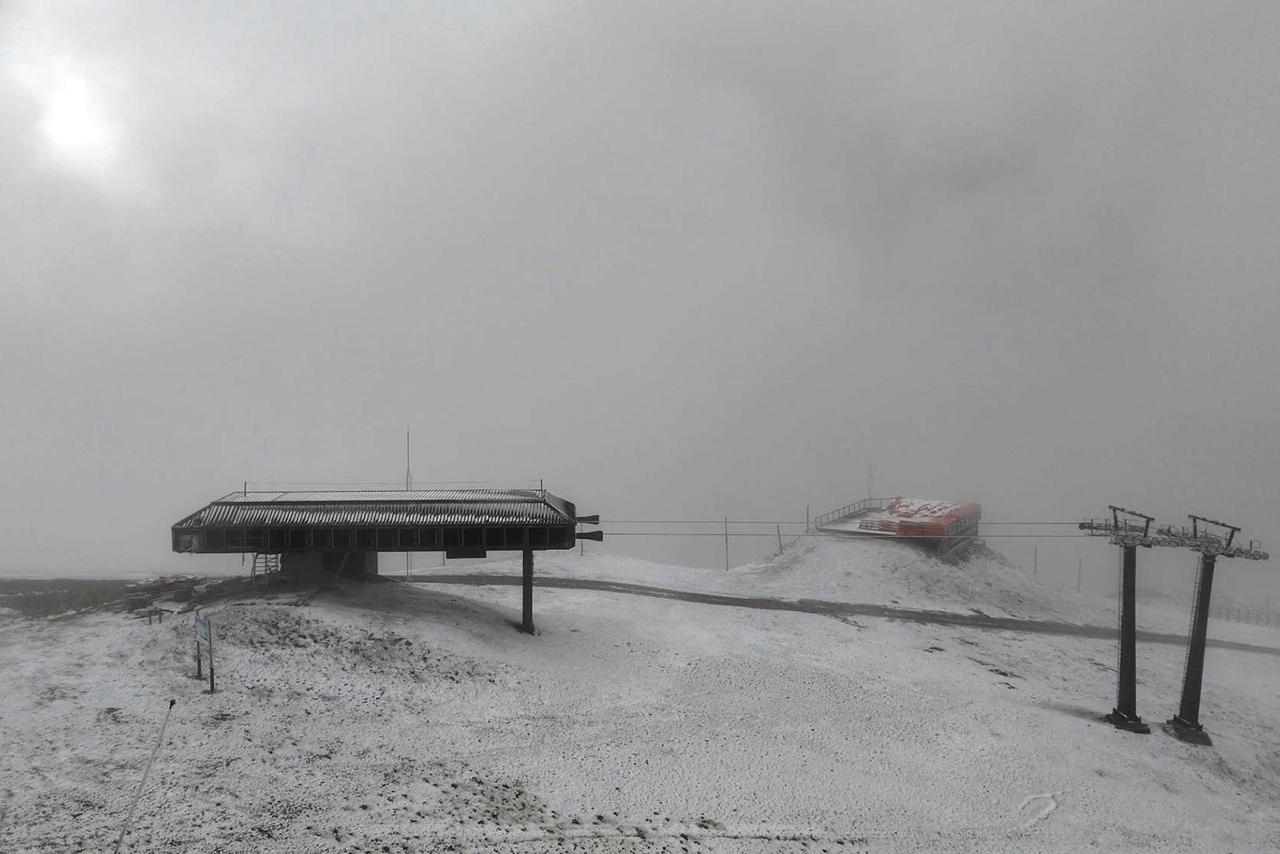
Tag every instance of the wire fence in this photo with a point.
(1253, 616)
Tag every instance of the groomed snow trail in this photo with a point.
(838, 610)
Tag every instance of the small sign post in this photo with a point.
(204, 635)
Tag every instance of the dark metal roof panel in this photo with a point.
(384, 495)
(399, 508)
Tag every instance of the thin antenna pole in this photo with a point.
(408, 485)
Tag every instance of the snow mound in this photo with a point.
(857, 569)
(314, 639)
(853, 569)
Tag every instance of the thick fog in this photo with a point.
(678, 261)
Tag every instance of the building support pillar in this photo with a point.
(1125, 714)
(1186, 724)
(526, 623)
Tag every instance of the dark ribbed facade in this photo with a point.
(465, 522)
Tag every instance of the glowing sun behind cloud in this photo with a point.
(75, 127)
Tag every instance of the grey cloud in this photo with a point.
(693, 260)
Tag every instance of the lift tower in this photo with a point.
(1127, 529)
(1211, 539)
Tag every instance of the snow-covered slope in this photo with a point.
(844, 569)
(397, 717)
(884, 572)
(874, 570)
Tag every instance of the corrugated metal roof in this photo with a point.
(382, 508)
(382, 495)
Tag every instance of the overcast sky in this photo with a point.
(676, 259)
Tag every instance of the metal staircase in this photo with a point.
(264, 567)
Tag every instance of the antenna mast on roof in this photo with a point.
(408, 472)
(408, 485)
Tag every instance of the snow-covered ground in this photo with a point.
(397, 717)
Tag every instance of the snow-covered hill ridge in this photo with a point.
(414, 718)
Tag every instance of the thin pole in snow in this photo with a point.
(726, 542)
(210, 622)
(779, 527)
(138, 796)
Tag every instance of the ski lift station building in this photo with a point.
(343, 532)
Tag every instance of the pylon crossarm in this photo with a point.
(1205, 542)
(1168, 536)
(1125, 534)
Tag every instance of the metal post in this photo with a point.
(1186, 724)
(779, 527)
(199, 669)
(1125, 714)
(726, 542)
(526, 624)
(211, 688)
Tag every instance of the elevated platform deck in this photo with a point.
(946, 527)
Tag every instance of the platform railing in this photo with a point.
(857, 508)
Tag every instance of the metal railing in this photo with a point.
(848, 511)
